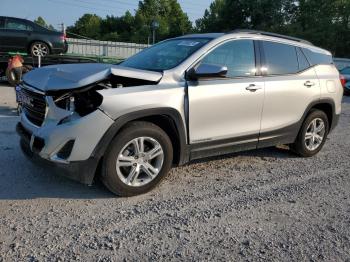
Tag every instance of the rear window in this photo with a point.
(280, 58)
(317, 58)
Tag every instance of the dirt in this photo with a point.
(258, 205)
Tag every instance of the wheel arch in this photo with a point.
(325, 105)
(168, 119)
(39, 40)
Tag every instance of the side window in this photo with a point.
(237, 55)
(318, 58)
(16, 25)
(303, 63)
(2, 23)
(281, 59)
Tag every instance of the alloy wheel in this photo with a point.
(140, 161)
(40, 49)
(315, 133)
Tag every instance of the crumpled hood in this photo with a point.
(71, 76)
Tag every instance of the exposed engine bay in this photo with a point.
(85, 100)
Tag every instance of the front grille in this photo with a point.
(34, 106)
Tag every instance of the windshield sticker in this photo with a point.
(188, 43)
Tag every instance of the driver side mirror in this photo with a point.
(206, 71)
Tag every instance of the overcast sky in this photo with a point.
(68, 11)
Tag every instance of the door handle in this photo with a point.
(253, 88)
(309, 84)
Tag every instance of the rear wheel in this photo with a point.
(312, 135)
(138, 158)
(39, 49)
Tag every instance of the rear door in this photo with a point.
(16, 35)
(291, 84)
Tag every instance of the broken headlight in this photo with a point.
(81, 102)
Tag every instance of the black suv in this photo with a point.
(26, 36)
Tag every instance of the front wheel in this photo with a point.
(139, 157)
(312, 135)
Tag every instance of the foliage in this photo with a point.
(323, 22)
(40, 21)
(89, 25)
(172, 20)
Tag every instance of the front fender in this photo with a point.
(123, 120)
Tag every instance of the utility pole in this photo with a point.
(63, 28)
(154, 27)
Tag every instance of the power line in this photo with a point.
(132, 5)
(94, 8)
(104, 5)
(59, 2)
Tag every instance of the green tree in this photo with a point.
(168, 13)
(225, 15)
(117, 28)
(40, 21)
(89, 25)
(173, 22)
(323, 22)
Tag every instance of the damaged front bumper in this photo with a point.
(68, 147)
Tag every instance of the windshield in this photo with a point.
(165, 55)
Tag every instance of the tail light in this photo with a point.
(63, 37)
(342, 80)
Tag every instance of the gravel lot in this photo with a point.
(257, 205)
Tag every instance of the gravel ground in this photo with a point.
(258, 205)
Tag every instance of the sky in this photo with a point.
(56, 12)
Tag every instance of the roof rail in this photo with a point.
(257, 32)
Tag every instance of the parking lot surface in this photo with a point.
(256, 205)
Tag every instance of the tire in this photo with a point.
(346, 92)
(39, 48)
(307, 145)
(121, 160)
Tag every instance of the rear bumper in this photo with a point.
(60, 48)
(81, 171)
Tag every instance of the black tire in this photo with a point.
(299, 145)
(134, 130)
(346, 92)
(35, 46)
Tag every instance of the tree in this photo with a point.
(225, 15)
(323, 22)
(173, 22)
(117, 28)
(168, 13)
(40, 21)
(89, 25)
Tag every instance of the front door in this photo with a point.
(227, 110)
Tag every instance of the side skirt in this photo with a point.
(286, 135)
(222, 147)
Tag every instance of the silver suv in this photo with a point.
(185, 98)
